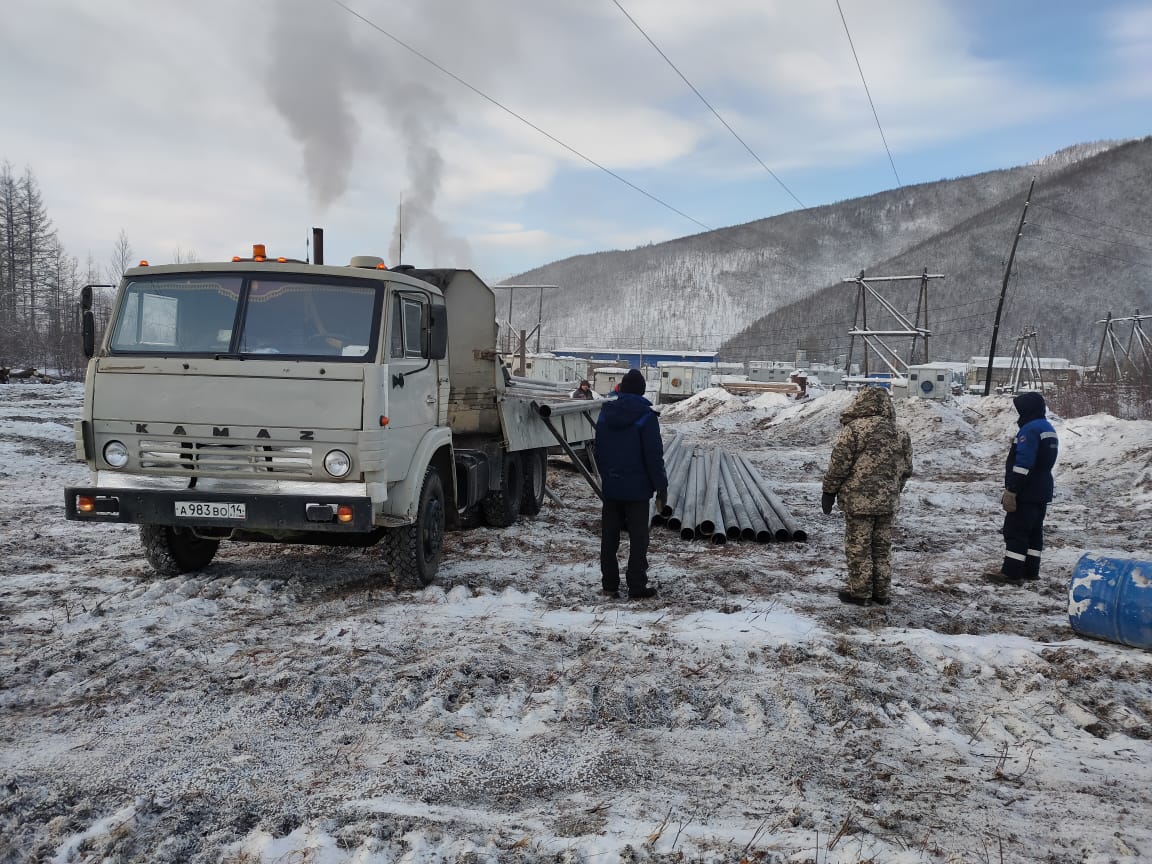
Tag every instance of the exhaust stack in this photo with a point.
(317, 245)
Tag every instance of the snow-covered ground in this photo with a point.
(290, 705)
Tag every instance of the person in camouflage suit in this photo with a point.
(871, 461)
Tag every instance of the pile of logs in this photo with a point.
(7, 376)
(720, 496)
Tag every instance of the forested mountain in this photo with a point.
(770, 287)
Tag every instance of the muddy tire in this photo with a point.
(501, 508)
(413, 551)
(535, 464)
(172, 550)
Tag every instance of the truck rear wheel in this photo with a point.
(172, 550)
(414, 550)
(535, 476)
(502, 506)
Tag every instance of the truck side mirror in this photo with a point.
(88, 333)
(437, 331)
(87, 324)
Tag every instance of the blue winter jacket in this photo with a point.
(629, 450)
(1028, 468)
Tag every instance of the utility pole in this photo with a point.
(902, 327)
(539, 313)
(1004, 289)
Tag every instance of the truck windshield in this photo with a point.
(237, 314)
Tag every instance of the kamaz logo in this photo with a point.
(225, 432)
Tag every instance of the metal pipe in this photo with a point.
(706, 524)
(676, 482)
(670, 466)
(559, 409)
(691, 499)
(712, 524)
(755, 527)
(794, 531)
(727, 514)
(701, 514)
(775, 525)
(541, 384)
(572, 455)
(758, 509)
(735, 516)
(674, 469)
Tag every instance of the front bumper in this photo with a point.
(262, 512)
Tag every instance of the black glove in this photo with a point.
(827, 501)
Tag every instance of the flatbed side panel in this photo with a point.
(524, 430)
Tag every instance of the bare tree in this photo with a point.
(10, 258)
(121, 259)
(40, 245)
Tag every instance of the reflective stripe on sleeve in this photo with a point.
(1016, 469)
(1044, 435)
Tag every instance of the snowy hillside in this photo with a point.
(289, 705)
(766, 288)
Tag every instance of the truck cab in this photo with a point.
(270, 400)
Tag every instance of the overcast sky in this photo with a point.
(203, 127)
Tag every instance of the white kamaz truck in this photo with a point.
(270, 400)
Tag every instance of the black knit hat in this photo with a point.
(633, 382)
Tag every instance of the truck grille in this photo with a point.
(211, 458)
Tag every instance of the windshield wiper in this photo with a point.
(230, 357)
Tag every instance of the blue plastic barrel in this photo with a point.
(1111, 598)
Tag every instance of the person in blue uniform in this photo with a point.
(630, 455)
(1028, 490)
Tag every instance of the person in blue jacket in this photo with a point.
(1027, 490)
(630, 455)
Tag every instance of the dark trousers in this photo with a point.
(630, 516)
(1023, 540)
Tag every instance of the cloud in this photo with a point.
(1129, 31)
(202, 125)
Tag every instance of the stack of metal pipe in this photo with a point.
(720, 496)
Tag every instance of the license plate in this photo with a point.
(210, 510)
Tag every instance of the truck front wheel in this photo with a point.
(414, 550)
(502, 506)
(172, 550)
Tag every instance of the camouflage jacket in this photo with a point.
(872, 457)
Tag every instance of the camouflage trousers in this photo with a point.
(868, 548)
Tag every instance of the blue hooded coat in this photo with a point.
(629, 450)
(1028, 468)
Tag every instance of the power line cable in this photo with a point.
(1092, 221)
(860, 69)
(1091, 254)
(519, 117)
(707, 104)
(1090, 237)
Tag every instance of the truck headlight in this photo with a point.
(116, 454)
(337, 463)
